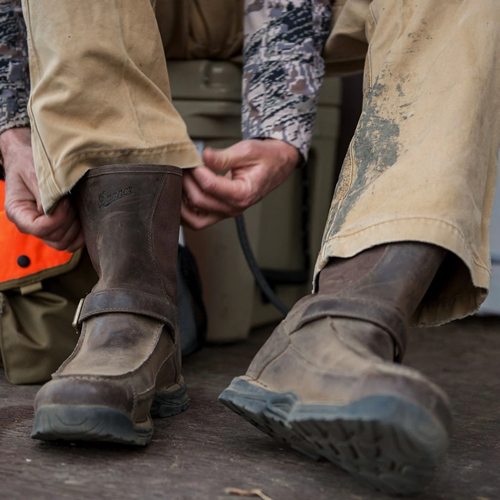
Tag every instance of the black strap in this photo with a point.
(116, 300)
(190, 273)
(376, 312)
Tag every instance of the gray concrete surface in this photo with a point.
(198, 454)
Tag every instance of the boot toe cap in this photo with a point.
(76, 391)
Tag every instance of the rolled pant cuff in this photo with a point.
(440, 305)
(61, 181)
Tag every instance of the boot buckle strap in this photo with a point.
(372, 311)
(121, 300)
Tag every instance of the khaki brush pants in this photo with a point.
(99, 86)
(100, 93)
(422, 164)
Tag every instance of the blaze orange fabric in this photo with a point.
(14, 244)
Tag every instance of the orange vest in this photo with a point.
(25, 259)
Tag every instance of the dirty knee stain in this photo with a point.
(374, 149)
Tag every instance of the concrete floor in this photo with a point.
(198, 454)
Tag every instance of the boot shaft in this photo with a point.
(397, 273)
(130, 219)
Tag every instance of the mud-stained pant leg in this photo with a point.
(422, 165)
(100, 91)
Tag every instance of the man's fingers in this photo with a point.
(216, 159)
(57, 222)
(63, 242)
(239, 155)
(200, 200)
(67, 222)
(28, 220)
(237, 192)
(32, 184)
(191, 219)
(78, 242)
(61, 229)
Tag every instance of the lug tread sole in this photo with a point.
(385, 441)
(169, 403)
(104, 424)
(89, 423)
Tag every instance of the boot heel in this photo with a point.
(168, 403)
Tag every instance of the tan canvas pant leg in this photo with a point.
(100, 92)
(422, 165)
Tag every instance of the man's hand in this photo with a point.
(61, 229)
(254, 167)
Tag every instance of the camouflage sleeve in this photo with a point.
(14, 73)
(283, 68)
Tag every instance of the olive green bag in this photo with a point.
(36, 335)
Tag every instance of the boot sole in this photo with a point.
(89, 423)
(103, 424)
(386, 441)
(169, 403)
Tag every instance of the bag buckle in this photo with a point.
(76, 319)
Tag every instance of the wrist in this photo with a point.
(14, 138)
(290, 153)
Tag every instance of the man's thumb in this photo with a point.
(219, 159)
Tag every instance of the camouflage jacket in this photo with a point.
(14, 76)
(283, 68)
(282, 74)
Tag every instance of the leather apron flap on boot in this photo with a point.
(26, 260)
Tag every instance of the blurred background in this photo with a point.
(285, 229)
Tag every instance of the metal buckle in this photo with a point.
(76, 319)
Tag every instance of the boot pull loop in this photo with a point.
(76, 318)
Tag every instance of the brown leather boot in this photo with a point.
(128, 354)
(326, 382)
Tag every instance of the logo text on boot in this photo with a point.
(106, 199)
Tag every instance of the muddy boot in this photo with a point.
(127, 361)
(328, 381)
